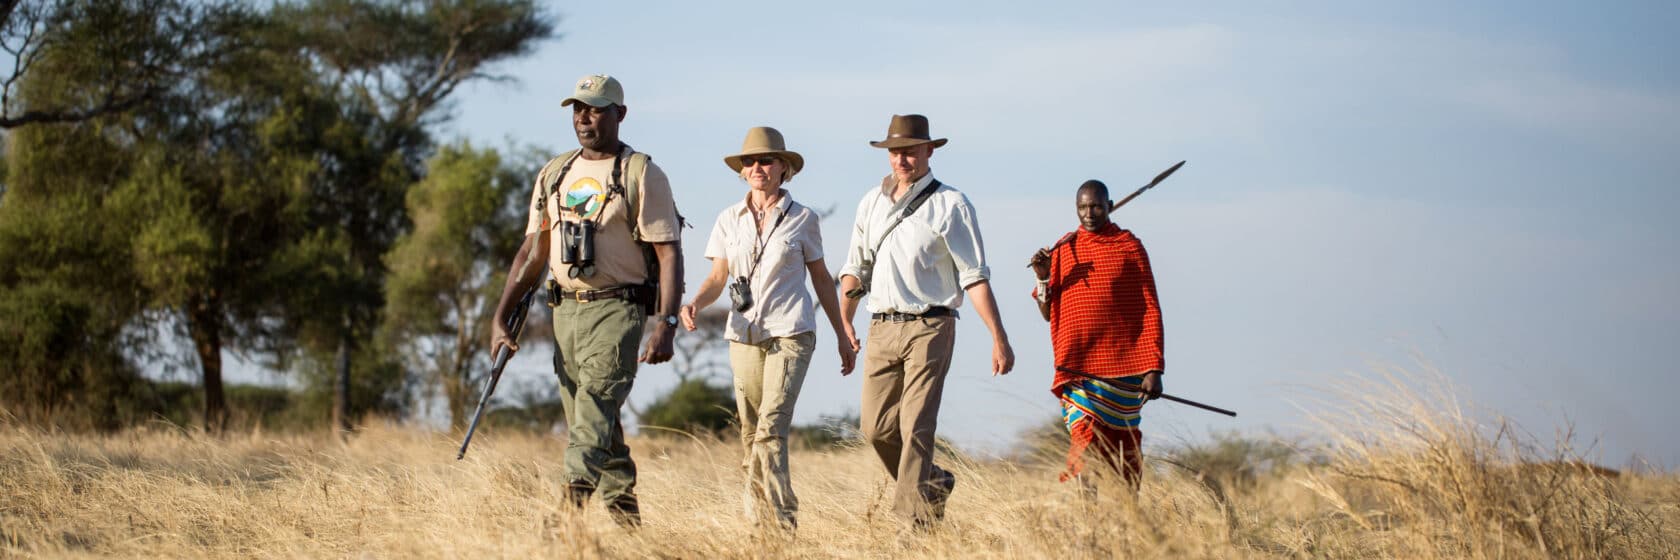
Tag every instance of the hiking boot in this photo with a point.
(625, 512)
(578, 492)
(944, 482)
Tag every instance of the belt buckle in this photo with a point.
(578, 295)
(897, 317)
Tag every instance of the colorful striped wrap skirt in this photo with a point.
(1098, 410)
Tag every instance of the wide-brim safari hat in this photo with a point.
(908, 130)
(763, 140)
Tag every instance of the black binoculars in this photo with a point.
(577, 248)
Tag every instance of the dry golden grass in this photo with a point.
(1406, 478)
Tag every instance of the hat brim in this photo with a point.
(793, 158)
(892, 143)
(590, 100)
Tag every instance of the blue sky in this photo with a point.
(1479, 188)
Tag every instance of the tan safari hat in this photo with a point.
(906, 131)
(597, 90)
(764, 140)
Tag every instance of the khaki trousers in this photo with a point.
(768, 376)
(595, 358)
(904, 368)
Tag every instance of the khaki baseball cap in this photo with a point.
(596, 90)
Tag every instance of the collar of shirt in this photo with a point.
(889, 186)
(783, 201)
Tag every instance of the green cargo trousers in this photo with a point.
(596, 362)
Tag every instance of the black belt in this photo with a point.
(557, 295)
(932, 312)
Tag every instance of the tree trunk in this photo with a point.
(341, 389)
(205, 328)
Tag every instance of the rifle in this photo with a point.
(515, 324)
(1151, 185)
(1131, 387)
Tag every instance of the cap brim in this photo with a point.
(793, 159)
(892, 143)
(590, 100)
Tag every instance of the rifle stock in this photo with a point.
(515, 324)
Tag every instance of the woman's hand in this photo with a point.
(687, 315)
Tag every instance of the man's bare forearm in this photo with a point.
(527, 270)
(670, 277)
(848, 306)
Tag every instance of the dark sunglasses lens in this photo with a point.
(765, 161)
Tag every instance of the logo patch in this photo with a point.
(585, 197)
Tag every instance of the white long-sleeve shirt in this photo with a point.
(928, 259)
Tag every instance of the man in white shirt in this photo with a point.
(915, 252)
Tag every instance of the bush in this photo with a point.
(693, 405)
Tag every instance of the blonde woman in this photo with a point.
(762, 250)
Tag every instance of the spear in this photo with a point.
(1151, 185)
(1130, 387)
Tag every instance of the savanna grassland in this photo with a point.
(1396, 479)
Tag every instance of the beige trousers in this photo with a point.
(904, 368)
(767, 380)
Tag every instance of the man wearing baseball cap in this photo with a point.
(915, 252)
(603, 221)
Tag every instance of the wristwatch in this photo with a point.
(669, 320)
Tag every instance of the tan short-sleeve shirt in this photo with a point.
(586, 192)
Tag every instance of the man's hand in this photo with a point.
(659, 346)
(1003, 357)
(499, 338)
(1152, 385)
(1040, 264)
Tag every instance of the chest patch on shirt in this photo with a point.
(585, 197)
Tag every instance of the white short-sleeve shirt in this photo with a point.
(782, 306)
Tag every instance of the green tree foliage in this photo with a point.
(247, 197)
(446, 274)
(392, 65)
(120, 54)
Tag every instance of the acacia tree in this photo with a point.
(446, 274)
(123, 53)
(393, 65)
(181, 197)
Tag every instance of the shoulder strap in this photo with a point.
(633, 172)
(549, 179)
(915, 203)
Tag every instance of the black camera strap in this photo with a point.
(915, 204)
(758, 254)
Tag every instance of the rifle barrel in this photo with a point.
(502, 357)
(515, 324)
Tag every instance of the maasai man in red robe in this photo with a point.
(1096, 290)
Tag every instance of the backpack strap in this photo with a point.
(549, 180)
(633, 172)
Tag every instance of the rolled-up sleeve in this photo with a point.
(962, 239)
(859, 245)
